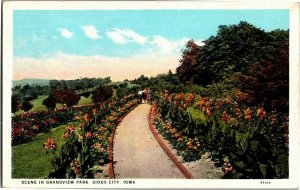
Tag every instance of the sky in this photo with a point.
(122, 44)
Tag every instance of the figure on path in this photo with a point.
(144, 95)
(149, 95)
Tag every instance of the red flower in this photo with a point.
(208, 112)
(36, 127)
(228, 168)
(225, 116)
(89, 135)
(66, 135)
(180, 96)
(261, 113)
(191, 98)
(248, 114)
(87, 118)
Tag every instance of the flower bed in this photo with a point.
(26, 126)
(86, 148)
(247, 141)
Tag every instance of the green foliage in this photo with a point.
(82, 84)
(267, 82)
(235, 48)
(250, 142)
(15, 103)
(26, 106)
(23, 164)
(50, 102)
(65, 96)
(102, 94)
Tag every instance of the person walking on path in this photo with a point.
(149, 96)
(145, 94)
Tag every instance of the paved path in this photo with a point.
(136, 152)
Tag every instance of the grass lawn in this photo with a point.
(38, 104)
(30, 160)
(83, 100)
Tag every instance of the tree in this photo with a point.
(26, 106)
(102, 94)
(49, 102)
(66, 96)
(188, 62)
(15, 103)
(268, 81)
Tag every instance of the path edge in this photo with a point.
(167, 150)
(111, 173)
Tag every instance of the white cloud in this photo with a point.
(91, 32)
(122, 36)
(65, 33)
(66, 66)
(164, 46)
(200, 42)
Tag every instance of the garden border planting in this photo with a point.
(179, 165)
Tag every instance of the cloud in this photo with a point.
(200, 42)
(123, 36)
(65, 33)
(91, 32)
(162, 45)
(66, 66)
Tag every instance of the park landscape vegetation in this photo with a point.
(228, 98)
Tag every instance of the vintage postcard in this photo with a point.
(153, 94)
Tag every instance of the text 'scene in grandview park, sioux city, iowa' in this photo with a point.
(114, 94)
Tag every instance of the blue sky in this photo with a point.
(114, 35)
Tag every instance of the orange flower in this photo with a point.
(248, 114)
(225, 116)
(66, 135)
(50, 144)
(87, 118)
(95, 111)
(191, 98)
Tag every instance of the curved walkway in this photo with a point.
(137, 154)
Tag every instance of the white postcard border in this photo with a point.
(294, 103)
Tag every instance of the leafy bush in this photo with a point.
(87, 147)
(249, 141)
(102, 94)
(26, 106)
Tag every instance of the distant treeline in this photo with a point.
(82, 84)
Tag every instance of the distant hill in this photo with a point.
(23, 82)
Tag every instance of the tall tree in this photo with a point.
(102, 94)
(188, 62)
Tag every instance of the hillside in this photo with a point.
(23, 82)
